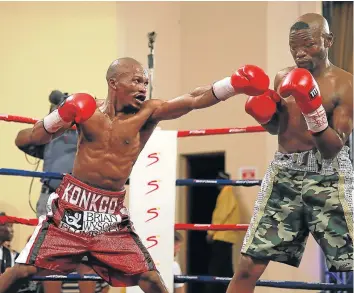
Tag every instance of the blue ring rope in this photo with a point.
(264, 283)
(179, 182)
(211, 279)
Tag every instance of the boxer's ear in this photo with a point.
(112, 82)
(328, 40)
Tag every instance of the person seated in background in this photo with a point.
(7, 243)
(225, 212)
(178, 287)
(58, 156)
(7, 257)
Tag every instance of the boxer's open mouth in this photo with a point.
(140, 98)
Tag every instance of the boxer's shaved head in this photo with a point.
(311, 21)
(309, 40)
(120, 66)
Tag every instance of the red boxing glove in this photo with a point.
(78, 107)
(300, 84)
(249, 79)
(263, 107)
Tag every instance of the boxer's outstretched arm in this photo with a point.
(199, 98)
(330, 141)
(249, 79)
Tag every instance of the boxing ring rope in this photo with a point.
(180, 133)
(214, 227)
(178, 226)
(194, 227)
(179, 182)
(211, 279)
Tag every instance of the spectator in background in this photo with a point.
(7, 243)
(178, 287)
(58, 156)
(225, 212)
(7, 257)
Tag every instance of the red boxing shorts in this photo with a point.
(86, 221)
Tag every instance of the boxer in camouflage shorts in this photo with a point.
(301, 194)
(309, 184)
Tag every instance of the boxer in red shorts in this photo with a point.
(86, 216)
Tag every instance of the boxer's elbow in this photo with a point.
(329, 155)
(271, 129)
(329, 143)
(273, 126)
(39, 135)
(23, 138)
(331, 152)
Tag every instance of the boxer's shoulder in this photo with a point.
(341, 81)
(341, 72)
(281, 75)
(99, 102)
(343, 78)
(283, 72)
(153, 104)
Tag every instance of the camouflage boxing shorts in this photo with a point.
(302, 193)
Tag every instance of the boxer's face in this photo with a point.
(132, 87)
(308, 48)
(7, 244)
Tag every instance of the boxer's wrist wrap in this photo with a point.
(53, 122)
(223, 89)
(317, 120)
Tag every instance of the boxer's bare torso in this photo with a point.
(293, 134)
(108, 146)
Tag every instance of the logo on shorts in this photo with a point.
(74, 219)
(153, 241)
(154, 184)
(153, 212)
(124, 211)
(313, 93)
(154, 158)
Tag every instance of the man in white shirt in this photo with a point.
(178, 287)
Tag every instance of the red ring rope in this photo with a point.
(205, 227)
(16, 220)
(200, 227)
(180, 133)
(20, 119)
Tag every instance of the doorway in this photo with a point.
(201, 202)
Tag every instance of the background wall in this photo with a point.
(69, 45)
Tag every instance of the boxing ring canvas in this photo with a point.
(152, 200)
